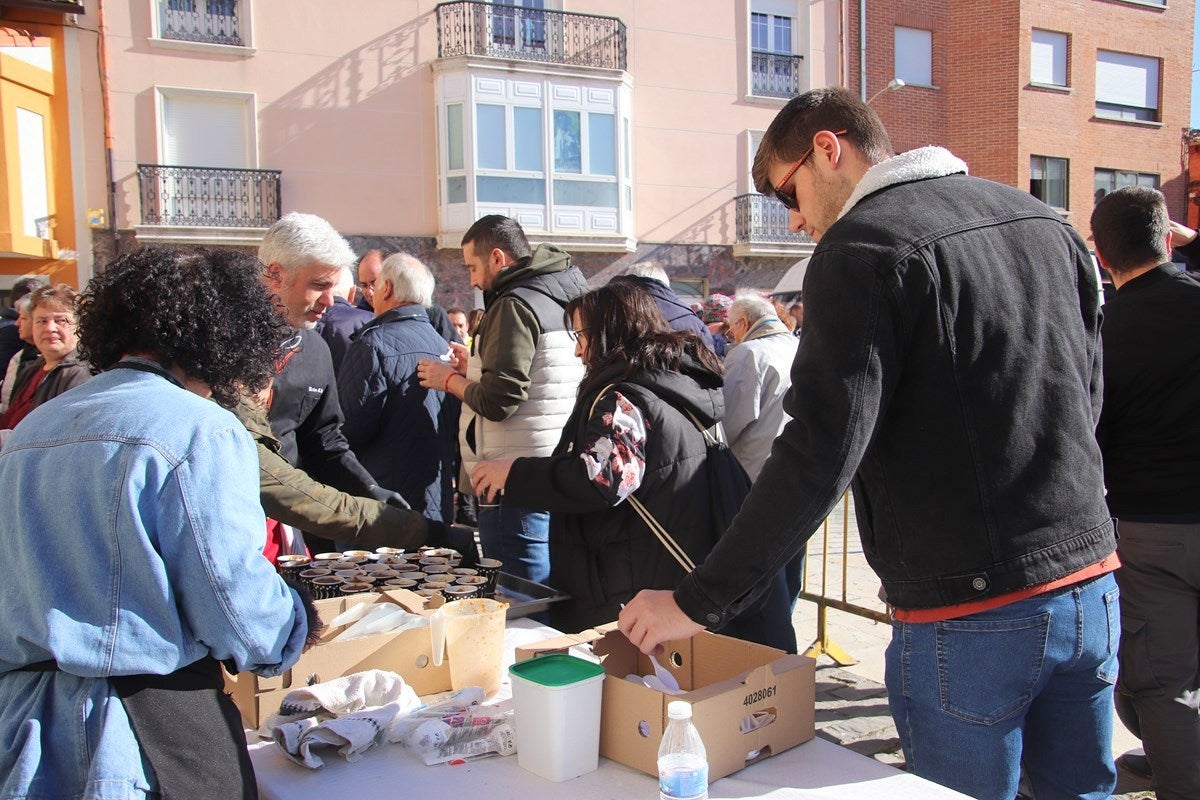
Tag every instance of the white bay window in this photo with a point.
(542, 149)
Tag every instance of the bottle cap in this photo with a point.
(679, 709)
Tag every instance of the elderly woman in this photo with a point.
(133, 544)
(631, 433)
(58, 368)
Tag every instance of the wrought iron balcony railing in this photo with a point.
(775, 74)
(208, 197)
(207, 21)
(473, 28)
(759, 219)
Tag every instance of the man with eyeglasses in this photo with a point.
(950, 373)
(369, 267)
(57, 369)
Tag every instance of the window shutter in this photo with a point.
(203, 131)
(1048, 58)
(914, 56)
(1126, 80)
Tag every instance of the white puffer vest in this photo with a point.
(535, 427)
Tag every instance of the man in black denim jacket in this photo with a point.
(949, 371)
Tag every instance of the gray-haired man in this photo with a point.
(303, 257)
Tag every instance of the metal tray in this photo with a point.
(524, 597)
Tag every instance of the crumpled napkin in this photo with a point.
(352, 735)
(348, 713)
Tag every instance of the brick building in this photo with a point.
(1064, 98)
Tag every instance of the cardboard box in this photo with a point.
(408, 653)
(726, 680)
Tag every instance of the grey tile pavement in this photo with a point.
(851, 708)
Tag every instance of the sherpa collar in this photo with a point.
(915, 165)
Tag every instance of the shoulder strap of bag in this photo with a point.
(668, 542)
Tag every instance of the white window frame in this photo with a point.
(582, 226)
(1117, 86)
(754, 137)
(163, 93)
(245, 26)
(913, 56)
(1066, 162)
(1116, 172)
(1044, 52)
(795, 12)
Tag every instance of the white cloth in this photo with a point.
(341, 696)
(352, 734)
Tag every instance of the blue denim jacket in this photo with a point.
(132, 546)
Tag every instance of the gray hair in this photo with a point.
(345, 283)
(751, 305)
(652, 270)
(301, 240)
(412, 282)
(22, 303)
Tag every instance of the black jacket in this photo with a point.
(67, 374)
(678, 316)
(307, 418)
(10, 340)
(950, 368)
(1149, 428)
(338, 324)
(602, 555)
(392, 423)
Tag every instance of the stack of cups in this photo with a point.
(489, 568)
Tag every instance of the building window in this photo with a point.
(770, 33)
(548, 150)
(1126, 86)
(203, 21)
(1048, 58)
(1109, 180)
(775, 66)
(914, 56)
(1048, 179)
(207, 175)
(206, 129)
(520, 24)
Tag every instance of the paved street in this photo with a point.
(851, 700)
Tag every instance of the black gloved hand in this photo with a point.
(387, 496)
(456, 537)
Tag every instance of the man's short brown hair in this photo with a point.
(1130, 228)
(833, 109)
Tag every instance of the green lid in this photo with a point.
(556, 669)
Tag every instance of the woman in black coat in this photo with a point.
(633, 431)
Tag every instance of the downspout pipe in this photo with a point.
(862, 49)
(106, 98)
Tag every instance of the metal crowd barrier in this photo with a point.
(827, 594)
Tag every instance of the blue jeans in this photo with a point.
(519, 537)
(1030, 682)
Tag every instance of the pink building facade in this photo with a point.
(619, 131)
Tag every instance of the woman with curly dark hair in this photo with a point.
(633, 434)
(198, 313)
(133, 544)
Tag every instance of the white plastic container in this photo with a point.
(556, 699)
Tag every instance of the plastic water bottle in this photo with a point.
(682, 761)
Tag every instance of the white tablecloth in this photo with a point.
(816, 770)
